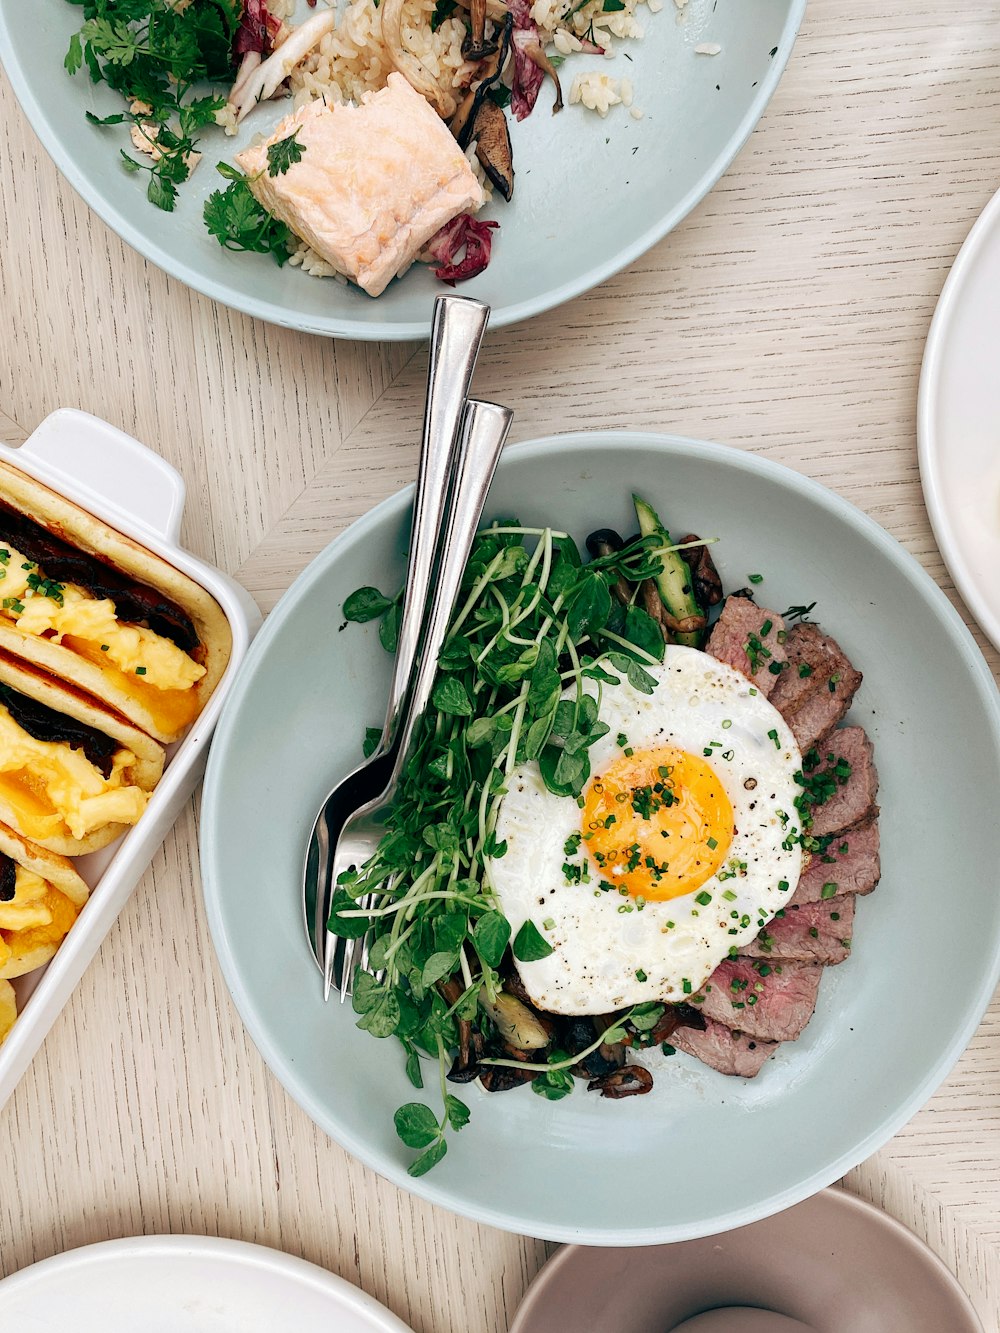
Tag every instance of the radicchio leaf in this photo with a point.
(466, 231)
(258, 27)
(528, 78)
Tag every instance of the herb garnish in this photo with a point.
(154, 52)
(284, 154)
(533, 623)
(239, 222)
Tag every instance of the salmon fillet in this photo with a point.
(373, 184)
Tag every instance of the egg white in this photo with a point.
(599, 948)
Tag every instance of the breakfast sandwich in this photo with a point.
(40, 897)
(74, 774)
(92, 607)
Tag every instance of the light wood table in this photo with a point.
(787, 315)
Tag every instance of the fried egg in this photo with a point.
(677, 853)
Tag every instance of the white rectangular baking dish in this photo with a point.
(137, 492)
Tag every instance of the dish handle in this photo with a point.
(106, 471)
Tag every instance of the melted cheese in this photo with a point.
(37, 918)
(131, 648)
(170, 710)
(28, 907)
(54, 789)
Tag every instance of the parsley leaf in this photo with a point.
(284, 154)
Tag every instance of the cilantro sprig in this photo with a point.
(155, 53)
(536, 638)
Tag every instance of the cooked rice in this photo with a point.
(351, 60)
(599, 92)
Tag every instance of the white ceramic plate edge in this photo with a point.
(212, 1248)
(424, 1186)
(927, 446)
(46, 131)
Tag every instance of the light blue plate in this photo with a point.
(591, 194)
(701, 1153)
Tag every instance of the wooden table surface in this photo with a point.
(787, 315)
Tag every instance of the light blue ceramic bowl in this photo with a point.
(591, 194)
(701, 1153)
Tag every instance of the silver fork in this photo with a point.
(457, 330)
(484, 429)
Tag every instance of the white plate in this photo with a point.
(567, 228)
(138, 493)
(185, 1284)
(958, 421)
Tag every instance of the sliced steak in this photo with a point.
(773, 1001)
(850, 861)
(841, 781)
(813, 933)
(722, 1049)
(816, 690)
(746, 637)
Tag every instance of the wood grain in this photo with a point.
(787, 315)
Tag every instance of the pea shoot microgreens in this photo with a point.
(155, 53)
(533, 624)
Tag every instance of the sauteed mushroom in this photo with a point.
(462, 122)
(705, 581)
(476, 46)
(489, 129)
(630, 1081)
(465, 1067)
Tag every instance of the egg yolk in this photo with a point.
(657, 823)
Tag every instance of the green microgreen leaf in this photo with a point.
(416, 1124)
(450, 696)
(366, 604)
(529, 946)
(490, 936)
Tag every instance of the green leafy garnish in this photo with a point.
(284, 154)
(529, 945)
(239, 222)
(535, 640)
(154, 53)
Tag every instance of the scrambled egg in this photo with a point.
(37, 917)
(8, 1009)
(137, 651)
(54, 787)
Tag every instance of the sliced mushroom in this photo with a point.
(403, 59)
(501, 1078)
(496, 10)
(533, 50)
(630, 1081)
(462, 122)
(516, 1023)
(476, 46)
(652, 604)
(705, 581)
(489, 129)
(465, 1067)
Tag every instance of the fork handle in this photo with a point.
(484, 430)
(457, 330)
